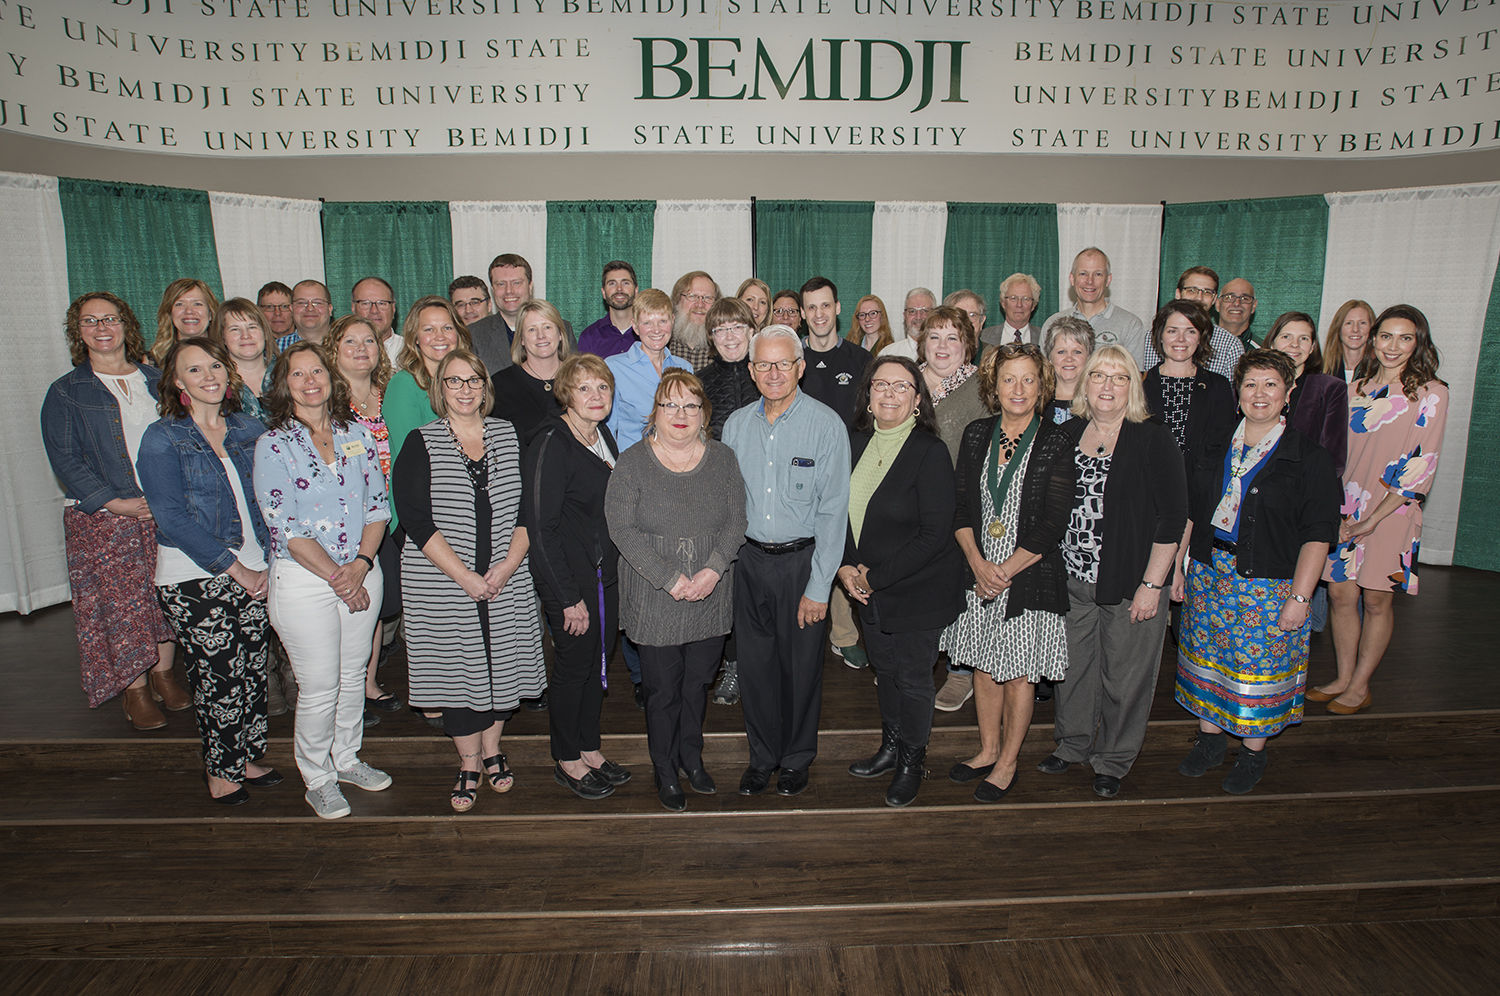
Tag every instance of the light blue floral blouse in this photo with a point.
(304, 498)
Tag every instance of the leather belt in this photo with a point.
(1226, 546)
(775, 549)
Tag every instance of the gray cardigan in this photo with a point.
(956, 411)
(665, 525)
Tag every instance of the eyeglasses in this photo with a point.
(1012, 299)
(108, 321)
(976, 317)
(700, 298)
(735, 329)
(863, 315)
(304, 303)
(275, 309)
(1206, 293)
(375, 304)
(1237, 298)
(691, 409)
(761, 366)
(1100, 377)
(918, 312)
(458, 382)
(785, 312)
(900, 388)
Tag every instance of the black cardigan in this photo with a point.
(1046, 504)
(562, 508)
(1210, 408)
(522, 400)
(915, 566)
(1293, 500)
(1145, 502)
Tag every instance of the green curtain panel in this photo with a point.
(1278, 244)
(1477, 543)
(799, 240)
(407, 243)
(133, 240)
(988, 242)
(584, 235)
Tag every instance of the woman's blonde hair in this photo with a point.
(381, 375)
(166, 332)
(439, 400)
(548, 311)
(1113, 356)
(411, 359)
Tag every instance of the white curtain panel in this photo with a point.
(260, 239)
(713, 236)
(1434, 248)
(483, 230)
(34, 287)
(1130, 235)
(906, 251)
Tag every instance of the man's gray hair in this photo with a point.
(777, 332)
(919, 290)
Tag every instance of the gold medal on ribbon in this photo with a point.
(996, 529)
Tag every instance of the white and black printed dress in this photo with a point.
(1033, 645)
(463, 654)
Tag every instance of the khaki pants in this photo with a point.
(841, 629)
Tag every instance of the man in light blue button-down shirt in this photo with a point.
(794, 456)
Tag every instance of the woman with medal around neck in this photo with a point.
(523, 391)
(1129, 510)
(1016, 478)
(901, 563)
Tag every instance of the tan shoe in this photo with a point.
(276, 704)
(168, 692)
(140, 710)
(958, 690)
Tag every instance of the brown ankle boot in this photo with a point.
(170, 694)
(141, 711)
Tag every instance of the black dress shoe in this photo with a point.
(961, 772)
(1106, 786)
(272, 777)
(669, 791)
(1053, 765)
(700, 781)
(791, 781)
(538, 704)
(1044, 691)
(640, 697)
(754, 781)
(990, 792)
(386, 703)
(612, 773)
(591, 786)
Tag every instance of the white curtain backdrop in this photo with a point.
(1130, 235)
(713, 236)
(483, 230)
(906, 251)
(34, 287)
(260, 239)
(1434, 248)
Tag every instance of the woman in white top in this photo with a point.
(195, 465)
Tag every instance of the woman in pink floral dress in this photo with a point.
(1397, 411)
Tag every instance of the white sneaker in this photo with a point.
(328, 802)
(365, 777)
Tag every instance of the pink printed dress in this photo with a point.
(1393, 446)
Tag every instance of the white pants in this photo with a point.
(329, 648)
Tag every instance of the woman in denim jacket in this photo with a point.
(195, 468)
(92, 422)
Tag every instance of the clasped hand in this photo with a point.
(348, 583)
(695, 588)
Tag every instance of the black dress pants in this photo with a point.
(575, 695)
(676, 681)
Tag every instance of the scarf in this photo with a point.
(1239, 463)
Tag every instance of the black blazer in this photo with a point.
(1210, 409)
(1319, 409)
(1046, 505)
(1293, 500)
(1145, 502)
(915, 567)
(562, 508)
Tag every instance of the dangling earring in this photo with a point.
(187, 402)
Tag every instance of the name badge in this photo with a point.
(353, 448)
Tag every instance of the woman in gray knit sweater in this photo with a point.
(676, 512)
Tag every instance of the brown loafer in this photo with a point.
(1339, 709)
(168, 692)
(1314, 695)
(141, 711)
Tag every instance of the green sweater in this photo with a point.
(405, 407)
(872, 469)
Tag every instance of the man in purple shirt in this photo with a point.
(613, 334)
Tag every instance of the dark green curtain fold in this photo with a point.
(1477, 543)
(799, 240)
(986, 243)
(1278, 244)
(407, 243)
(584, 235)
(133, 240)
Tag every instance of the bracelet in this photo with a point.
(1152, 587)
(367, 560)
(1300, 598)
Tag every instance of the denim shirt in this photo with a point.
(85, 438)
(189, 493)
(304, 498)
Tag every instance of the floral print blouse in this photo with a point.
(304, 498)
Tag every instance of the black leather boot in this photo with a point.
(883, 760)
(909, 774)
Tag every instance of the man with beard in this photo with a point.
(614, 333)
(692, 296)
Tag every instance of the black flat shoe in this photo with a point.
(755, 781)
(962, 773)
(1106, 786)
(591, 786)
(640, 697)
(990, 792)
(792, 781)
(612, 773)
(669, 791)
(386, 703)
(700, 781)
(272, 777)
(237, 797)
(538, 704)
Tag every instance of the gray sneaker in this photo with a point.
(328, 802)
(365, 777)
(727, 691)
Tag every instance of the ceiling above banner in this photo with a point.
(291, 78)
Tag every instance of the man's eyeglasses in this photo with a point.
(275, 309)
(761, 366)
(304, 303)
(1206, 293)
(375, 304)
(1237, 298)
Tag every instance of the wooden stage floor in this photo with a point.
(1366, 862)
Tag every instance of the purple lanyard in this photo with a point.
(603, 645)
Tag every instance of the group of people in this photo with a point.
(722, 484)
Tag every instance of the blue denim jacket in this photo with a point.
(189, 494)
(85, 438)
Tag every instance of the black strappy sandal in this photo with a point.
(462, 799)
(502, 779)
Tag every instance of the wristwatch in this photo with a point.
(1153, 587)
(1300, 598)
